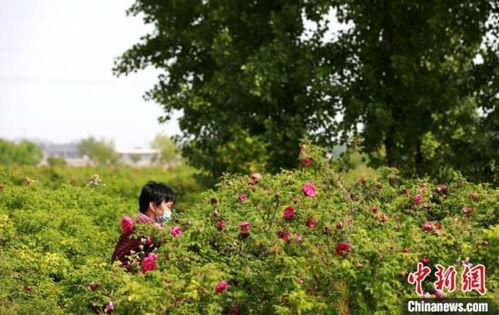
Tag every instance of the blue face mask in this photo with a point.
(167, 217)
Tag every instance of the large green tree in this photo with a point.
(237, 72)
(403, 75)
(408, 73)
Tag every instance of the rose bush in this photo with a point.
(346, 246)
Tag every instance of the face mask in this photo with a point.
(167, 216)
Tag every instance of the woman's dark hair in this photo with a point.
(155, 192)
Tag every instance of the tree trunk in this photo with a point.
(387, 77)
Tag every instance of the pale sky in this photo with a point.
(56, 81)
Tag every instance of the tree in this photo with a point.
(408, 75)
(250, 84)
(22, 153)
(237, 72)
(101, 152)
(168, 151)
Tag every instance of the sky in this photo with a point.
(56, 81)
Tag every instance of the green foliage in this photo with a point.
(168, 151)
(236, 71)
(22, 153)
(56, 240)
(56, 161)
(249, 72)
(101, 152)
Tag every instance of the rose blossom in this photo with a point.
(126, 224)
(428, 226)
(284, 235)
(339, 225)
(306, 161)
(221, 224)
(149, 263)
(309, 190)
(110, 307)
(244, 226)
(343, 248)
(439, 293)
(311, 223)
(221, 286)
(474, 196)
(149, 240)
(176, 231)
(289, 213)
(467, 210)
(256, 176)
(243, 197)
(417, 199)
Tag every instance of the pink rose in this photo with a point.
(309, 190)
(149, 240)
(299, 238)
(343, 248)
(474, 196)
(306, 161)
(126, 224)
(311, 223)
(149, 263)
(289, 213)
(221, 286)
(243, 197)
(428, 226)
(110, 307)
(221, 224)
(244, 226)
(256, 176)
(284, 235)
(417, 199)
(175, 231)
(424, 260)
(439, 294)
(467, 210)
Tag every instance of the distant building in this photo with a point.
(69, 152)
(139, 157)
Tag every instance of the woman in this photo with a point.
(155, 204)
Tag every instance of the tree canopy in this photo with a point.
(168, 151)
(22, 153)
(414, 79)
(101, 152)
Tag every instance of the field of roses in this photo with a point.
(302, 241)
